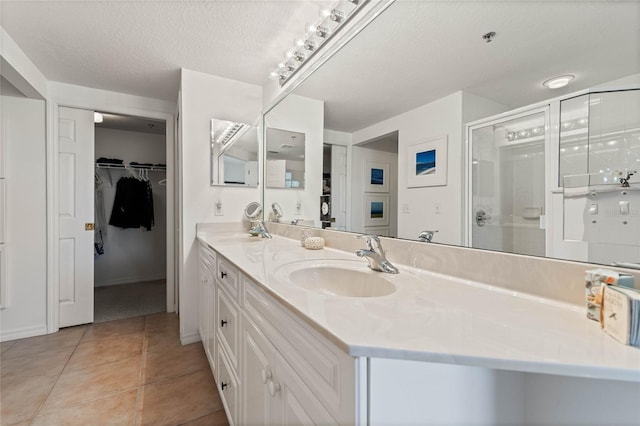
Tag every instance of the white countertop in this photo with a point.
(437, 318)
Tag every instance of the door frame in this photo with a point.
(544, 108)
(117, 103)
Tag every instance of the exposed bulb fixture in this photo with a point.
(558, 82)
(97, 117)
(229, 132)
(316, 34)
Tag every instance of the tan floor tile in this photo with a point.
(6, 345)
(219, 418)
(80, 386)
(102, 351)
(47, 363)
(174, 362)
(178, 400)
(163, 321)
(114, 410)
(63, 338)
(105, 330)
(22, 396)
(159, 341)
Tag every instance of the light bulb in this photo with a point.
(97, 117)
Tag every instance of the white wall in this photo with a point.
(132, 255)
(23, 127)
(445, 116)
(203, 97)
(303, 115)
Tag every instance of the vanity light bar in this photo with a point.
(232, 130)
(331, 20)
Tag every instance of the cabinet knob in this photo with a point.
(274, 388)
(223, 274)
(223, 322)
(266, 375)
(223, 385)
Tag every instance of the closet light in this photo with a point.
(331, 20)
(97, 117)
(558, 82)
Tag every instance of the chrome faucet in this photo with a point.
(258, 228)
(426, 236)
(295, 221)
(375, 255)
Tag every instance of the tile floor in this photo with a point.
(131, 371)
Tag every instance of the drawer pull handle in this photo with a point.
(274, 388)
(223, 274)
(223, 322)
(266, 375)
(223, 385)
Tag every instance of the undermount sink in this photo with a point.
(338, 278)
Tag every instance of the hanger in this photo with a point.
(163, 182)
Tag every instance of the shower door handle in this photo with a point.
(482, 217)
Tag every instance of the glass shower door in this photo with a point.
(506, 186)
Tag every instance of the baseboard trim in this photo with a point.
(131, 280)
(187, 339)
(21, 333)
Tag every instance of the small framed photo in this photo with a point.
(376, 177)
(427, 163)
(376, 210)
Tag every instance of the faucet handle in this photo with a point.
(373, 241)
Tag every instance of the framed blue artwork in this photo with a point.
(427, 163)
(376, 176)
(376, 210)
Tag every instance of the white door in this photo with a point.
(75, 212)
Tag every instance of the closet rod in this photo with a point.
(129, 167)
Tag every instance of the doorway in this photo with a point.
(130, 240)
(91, 249)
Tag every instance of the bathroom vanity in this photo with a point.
(296, 336)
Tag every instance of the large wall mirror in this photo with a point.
(423, 121)
(234, 153)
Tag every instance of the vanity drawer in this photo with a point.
(228, 325)
(228, 277)
(227, 386)
(326, 370)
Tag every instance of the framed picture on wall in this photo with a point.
(427, 163)
(376, 176)
(381, 231)
(376, 210)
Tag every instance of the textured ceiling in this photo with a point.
(419, 51)
(138, 47)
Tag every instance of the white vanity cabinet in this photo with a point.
(270, 367)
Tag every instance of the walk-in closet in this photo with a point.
(130, 217)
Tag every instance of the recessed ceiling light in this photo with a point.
(558, 82)
(97, 117)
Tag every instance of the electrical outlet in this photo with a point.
(219, 208)
(436, 208)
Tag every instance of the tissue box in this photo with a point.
(595, 280)
(620, 314)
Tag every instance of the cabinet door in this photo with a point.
(202, 303)
(294, 404)
(256, 371)
(211, 327)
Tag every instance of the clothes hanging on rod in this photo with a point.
(133, 204)
(100, 227)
